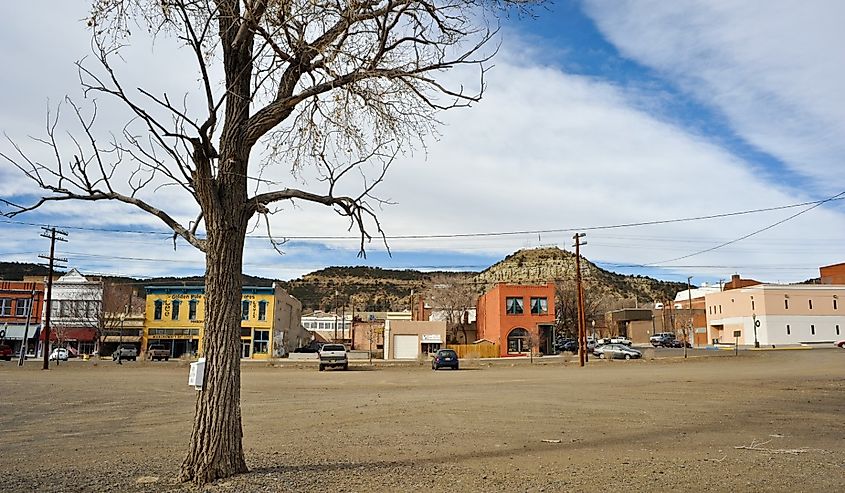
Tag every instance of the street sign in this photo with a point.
(737, 333)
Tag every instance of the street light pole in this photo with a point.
(754, 319)
(689, 295)
(120, 337)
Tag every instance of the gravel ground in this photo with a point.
(653, 425)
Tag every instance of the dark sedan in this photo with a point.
(445, 358)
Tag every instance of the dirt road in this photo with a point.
(633, 426)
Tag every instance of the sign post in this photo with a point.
(737, 333)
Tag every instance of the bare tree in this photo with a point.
(451, 300)
(596, 304)
(119, 301)
(336, 87)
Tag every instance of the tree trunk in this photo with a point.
(216, 449)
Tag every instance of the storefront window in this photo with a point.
(260, 341)
(518, 341)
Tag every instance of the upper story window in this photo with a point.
(5, 307)
(786, 304)
(513, 306)
(834, 304)
(539, 306)
(174, 312)
(752, 304)
(262, 310)
(192, 309)
(245, 310)
(811, 304)
(22, 307)
(157, 309)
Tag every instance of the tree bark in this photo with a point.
(216, 449)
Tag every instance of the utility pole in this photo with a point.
(582, 326)
(335, 315)
(24, 346)
(689, 295)
(52, 259)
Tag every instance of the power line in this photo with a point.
(814, 204)
(749, 235)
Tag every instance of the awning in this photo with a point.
(72, 334)
(126, 339)
(15, 331)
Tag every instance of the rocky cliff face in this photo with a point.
(541, 265)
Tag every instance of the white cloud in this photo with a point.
(773, 69)
(543, 150)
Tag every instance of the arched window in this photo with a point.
(518, 341)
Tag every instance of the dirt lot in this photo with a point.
(655, 425)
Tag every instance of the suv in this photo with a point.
(662, 339)
(445, 358)
(125, 352)
(333, 355)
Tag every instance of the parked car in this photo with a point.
(676, 343)
(566, 344)
(445, 358)
(661, 339)
(59, 354)
(127, 352)
(617, 351)
(333, 355)
(158, 352)
(6, 352)
(621, 340)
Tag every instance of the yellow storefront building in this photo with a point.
(175, 318)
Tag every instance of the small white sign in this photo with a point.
(197, 373)
(431, 338)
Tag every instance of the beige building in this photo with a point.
(405, 339)
(776, 315)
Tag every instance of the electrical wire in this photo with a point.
(813, 205)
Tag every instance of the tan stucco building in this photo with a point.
(779, 314)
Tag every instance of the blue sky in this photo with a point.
(597, 113)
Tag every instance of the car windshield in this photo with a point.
(334, 347)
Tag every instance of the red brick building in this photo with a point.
(519, 318)
(21, 301)
(832, 274)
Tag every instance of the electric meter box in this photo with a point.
(197, 373)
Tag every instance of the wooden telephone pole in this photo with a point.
(582, 323)
(52, 259)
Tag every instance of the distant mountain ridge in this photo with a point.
(377, 289)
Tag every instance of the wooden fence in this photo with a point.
(481, 350)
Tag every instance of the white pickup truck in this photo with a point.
(333, 355)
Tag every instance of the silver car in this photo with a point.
(617, 351)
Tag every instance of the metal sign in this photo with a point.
(737, 333)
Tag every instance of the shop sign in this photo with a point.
(431, 338)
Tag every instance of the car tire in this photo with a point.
(345, 366)
(601, 355)
(627, 356)
(322, 367)
(456, 367)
